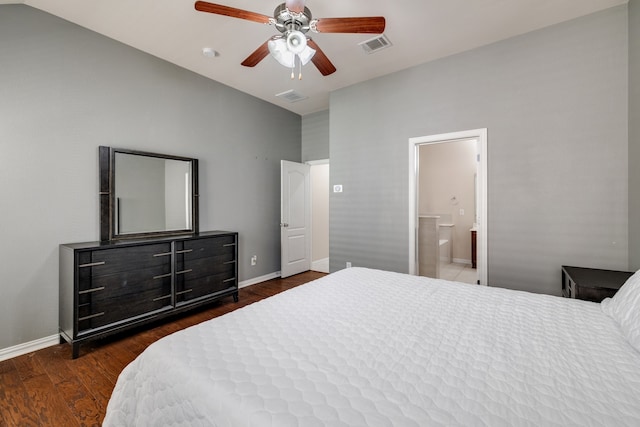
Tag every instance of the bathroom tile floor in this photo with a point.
(458, 272)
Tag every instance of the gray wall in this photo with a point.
(64, 91)
(634, 134)
(315, 136)
(555, 105)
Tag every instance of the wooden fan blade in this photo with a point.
(296, 6)
(219, 9)
(258, 55)
(320, 60)
(370, 24)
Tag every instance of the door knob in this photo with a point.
(284, 224)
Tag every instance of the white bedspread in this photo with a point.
(363, 347)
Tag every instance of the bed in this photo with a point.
(363, 347)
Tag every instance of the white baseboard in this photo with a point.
(257, 280)
(39, 344)
(321, 265)
(28, 347)
(462, 261)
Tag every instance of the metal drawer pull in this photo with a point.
(184, 292)
(162, 254)
(229, 280)
(184, 251)
(161, 276)
(91, 316)
(88, 291)
(184, 271)
(228, 244)
(161, 298)
(230, 262)
(92, 264)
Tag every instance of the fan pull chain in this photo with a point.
(299, 61)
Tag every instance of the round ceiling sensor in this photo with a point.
(209, 52)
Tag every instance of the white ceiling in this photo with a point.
(420, 30)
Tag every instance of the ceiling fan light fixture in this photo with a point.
(306, 55)
(285, 50)
(293, 20)
(296, 41)
(278, 49)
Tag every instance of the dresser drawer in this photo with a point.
(124, 295)
(194, 269)
(115, 274)
(206, 248)
(190, 287)
(128, 282)
(99, 312)
(214, 261)
(109, 261)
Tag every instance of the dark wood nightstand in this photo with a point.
(591, 284)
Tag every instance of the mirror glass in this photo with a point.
(149, 194)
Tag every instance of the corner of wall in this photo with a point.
(634, 134)
(315, 136)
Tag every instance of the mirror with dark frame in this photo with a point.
(146, 194)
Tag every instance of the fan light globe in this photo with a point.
(306, 55)
(296, 41)
(281, 53)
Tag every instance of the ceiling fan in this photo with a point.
(293, 20)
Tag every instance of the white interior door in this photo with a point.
(295, 214)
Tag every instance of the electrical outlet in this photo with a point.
(461, 212)
(254, 260)
(348, 264)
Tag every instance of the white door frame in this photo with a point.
(414, 143)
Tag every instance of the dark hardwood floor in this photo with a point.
(48, 388)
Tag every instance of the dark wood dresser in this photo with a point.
(107, 287)
(591, 284)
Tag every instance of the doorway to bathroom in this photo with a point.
(447, 212)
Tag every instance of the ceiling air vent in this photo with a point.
(291, 96)
(375, 44)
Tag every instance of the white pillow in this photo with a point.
(624, 308)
